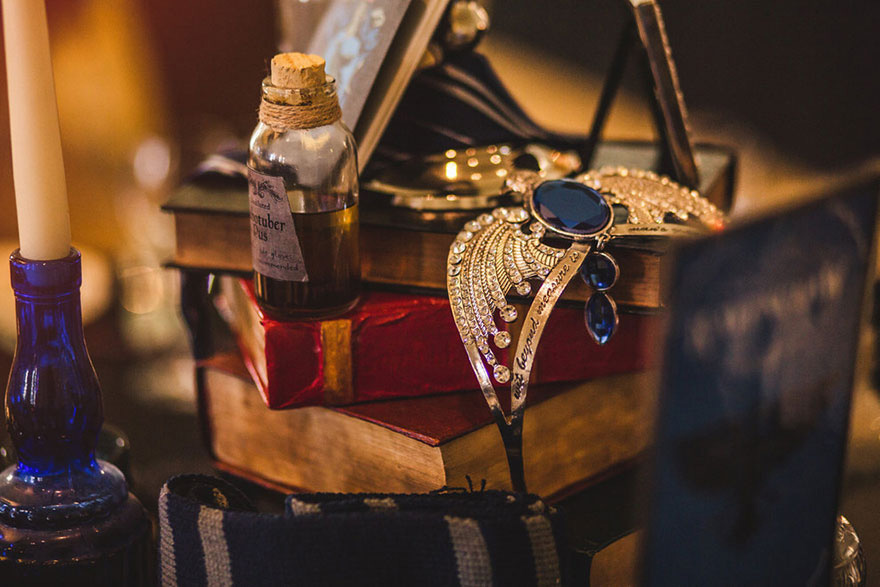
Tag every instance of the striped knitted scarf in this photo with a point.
(210, 534)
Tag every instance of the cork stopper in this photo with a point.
(298, 94)
(297, 70)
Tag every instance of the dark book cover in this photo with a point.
(755, 397)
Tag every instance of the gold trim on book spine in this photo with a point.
(336, 342)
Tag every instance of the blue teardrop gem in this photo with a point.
(599, 271)
(571, 207)
(600, 315)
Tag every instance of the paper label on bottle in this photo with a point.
(274, 246)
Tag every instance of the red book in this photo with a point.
(396, 345)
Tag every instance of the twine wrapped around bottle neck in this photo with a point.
(283, 117)
(298, 94)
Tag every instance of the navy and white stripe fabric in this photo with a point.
(209, 534)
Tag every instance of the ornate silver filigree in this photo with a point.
(649, 198)
(503, 251)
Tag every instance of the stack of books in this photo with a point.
(383, 399)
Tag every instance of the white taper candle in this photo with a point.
(37, 164)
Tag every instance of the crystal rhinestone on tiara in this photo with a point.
(506, 250)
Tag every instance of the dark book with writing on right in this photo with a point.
(213, 232)
(755, 397)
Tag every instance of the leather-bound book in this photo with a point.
(574, 433)
(395, 345)
(405, 249)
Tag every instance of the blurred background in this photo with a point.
(146, 88)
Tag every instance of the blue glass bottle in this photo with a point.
(64, 516)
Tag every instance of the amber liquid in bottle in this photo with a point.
(329, 244)
(303, 191)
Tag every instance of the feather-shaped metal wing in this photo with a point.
(494, 254)
(650, 199)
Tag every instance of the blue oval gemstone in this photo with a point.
(599, 271)
(600, 316)
(571, 207)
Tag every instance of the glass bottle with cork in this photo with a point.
(303, 190)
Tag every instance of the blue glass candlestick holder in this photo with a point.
(64, 515)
